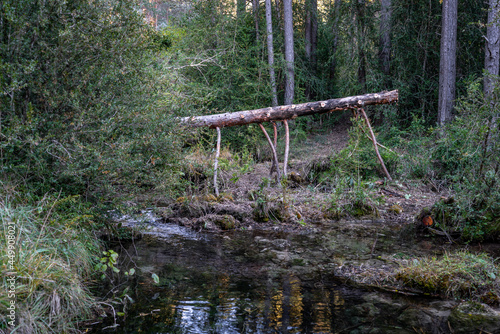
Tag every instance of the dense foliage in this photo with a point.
(81, 97)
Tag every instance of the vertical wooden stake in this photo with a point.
(275, 130)
(374, 140)
(275, 156)
(217, 153)
(287, 146)
(275, 135)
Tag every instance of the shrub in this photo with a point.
(466, 155)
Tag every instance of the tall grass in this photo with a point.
(54, 258)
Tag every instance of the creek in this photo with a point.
(261, 281)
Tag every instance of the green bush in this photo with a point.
(466, 155)
(83, 98)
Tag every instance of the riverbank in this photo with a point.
(48, 255)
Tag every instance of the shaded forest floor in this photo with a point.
(254, 199)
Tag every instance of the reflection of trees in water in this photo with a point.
(200, 296)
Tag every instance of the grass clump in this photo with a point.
(460, 275)
(52, 262)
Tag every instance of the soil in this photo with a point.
(300, 205)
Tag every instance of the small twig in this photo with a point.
(374, 140)
(114, 315)
(275, 156)
(217, 153)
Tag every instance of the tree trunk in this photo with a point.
(255, 8)
(447, 65)
(492, 50)
(270, 52)
(278, 10)
(385, 36)
(311, 38)
(289, 51)
(289, 111)
(333, 62)
(360, 15)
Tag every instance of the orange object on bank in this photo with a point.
(427, 221)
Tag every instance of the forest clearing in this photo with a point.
(157, 175)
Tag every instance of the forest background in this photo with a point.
(90, 92)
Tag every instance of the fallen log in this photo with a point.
(292, 111)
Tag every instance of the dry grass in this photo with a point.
(53, 261)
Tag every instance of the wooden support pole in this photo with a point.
(374, 140)
(275, 156)
(217, 153)
(287, 146)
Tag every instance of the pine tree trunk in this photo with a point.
(270, 52)
(360, 15)
(492, 50)
(255, 8)
(447, 65)
(336, 14)
(385, 36)
(289, 52)
(311, 38)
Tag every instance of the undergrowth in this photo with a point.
(53, 260)
(460, 275)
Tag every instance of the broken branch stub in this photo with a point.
(292, 111)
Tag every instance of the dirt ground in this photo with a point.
(301, 204)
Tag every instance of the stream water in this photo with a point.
(251, 282)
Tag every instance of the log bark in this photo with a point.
(292, 111)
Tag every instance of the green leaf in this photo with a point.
(116, 270)
(120, 314)
(131, 271)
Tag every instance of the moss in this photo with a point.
(458, 275)
(472, 317)
(359, 209)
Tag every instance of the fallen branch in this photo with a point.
(273, 149)
(374, 140)
(292, 111)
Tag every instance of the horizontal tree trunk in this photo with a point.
(290, 111)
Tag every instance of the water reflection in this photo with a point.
(212, 286)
